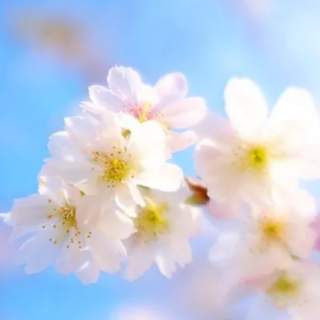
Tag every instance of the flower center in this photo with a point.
(144, 112)
(116, 171)
(68, 216)
(283, 289)
(151, 220)
(256, 159)
(67, 221)
(140, 110)
(116, 167)
(272, 230)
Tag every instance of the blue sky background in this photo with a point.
(274, 42)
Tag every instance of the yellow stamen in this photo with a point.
(116, 167)
(257, 158)
(151, 220)
(68, 216)
(272, 229)
(284, 289)
(144, 112)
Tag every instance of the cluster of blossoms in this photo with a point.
(251, 166)
(109, 197)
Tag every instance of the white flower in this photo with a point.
(97, 157)
(73, 232)
(163, 228)
(270, 237)
(252, 158)
(166, 102)
(294, 292)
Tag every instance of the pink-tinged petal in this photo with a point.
(102, 96)
(172, 87)
(124, 81)
(166, 177)
(140, 260)
(307, 166)
(245, 106)
(203, 155)
(91, 108)
(316, 227)
(88, 273)
(226, 210)
(217, 129)
(179, 141)
(183, 113)
(295, 116)
(301, 240)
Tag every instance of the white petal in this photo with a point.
(60, 146)
(127, 198)
(183, 113)
(166, 177)
(106, 98)
(296, 116)
(116, 225)
(124, 81)
(172, 86)
(245, 106)
(82, 129)
(224, 248)
(82, 173)
(38, 252)
(91, 108)
(88, 273)
(31, 211)
(107, 253)
(184, 221)
(18, 232)
(165, 263)
(140, 260)
(70, 259)
(127, 121)
(147, 142)
(179, 141)
(136, 195)
(180, 250)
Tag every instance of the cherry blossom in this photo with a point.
(252, 159)
(165, 103)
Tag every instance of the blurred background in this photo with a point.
(50, 51)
